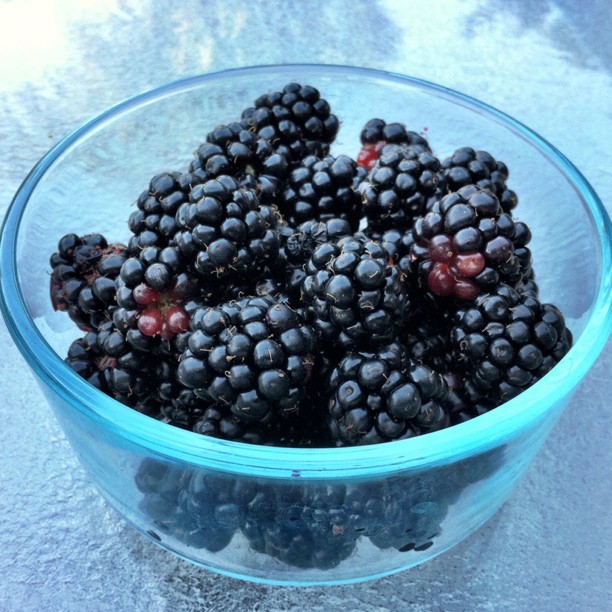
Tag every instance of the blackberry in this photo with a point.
(154, 223)
(377, 133)
(353, 292)
(187, 506)
(226, 233)
(398, 244)
(297, 246)
(155, 286)
(107, 360)
(254, 355)
(383, 396)
(300, 243)
(413, 510)
(83, 275)
(236, 151)
(467, 245)
(302, 526)
(504, 342)
(467, 166)
(321, 189)
(427, 340)
(399, 187)
(297, 120)
(218, 421)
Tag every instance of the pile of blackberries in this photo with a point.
(274, 293)
(309, 525)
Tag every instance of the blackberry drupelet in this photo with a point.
(297, 120)
(354, 293)
(383, 396)
(225, 233)
(467, 245)
(83, 275)
(377, 133)
(320, 189)
(467, 166)
(399, 188)
(504, 342)
(254, 355)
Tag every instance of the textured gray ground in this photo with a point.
(546, 63)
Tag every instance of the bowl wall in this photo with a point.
(328, 529)
(285, 515)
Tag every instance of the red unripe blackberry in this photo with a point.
(156, 285)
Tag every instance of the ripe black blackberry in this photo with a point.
(234, 150)
(398, 244)
(225, 233)
(106, 359)
(399, 187)
(414, 508)
(504, 342)
(377, 133)
(155, 286)
(187, 506)
(467, 245)
(354, 293)
(320, 189)
(427, 337)
(83, 275)
(302, 526)
(467, 166)
(297, 246)
(218, 421)
(382, 396)
(254, 355)
(154, 223)
(296, 120)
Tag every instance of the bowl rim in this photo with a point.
(474, 436)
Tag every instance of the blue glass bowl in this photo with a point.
(299, 516)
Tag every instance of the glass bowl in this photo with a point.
(284, 515)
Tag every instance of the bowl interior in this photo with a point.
(90, 181)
